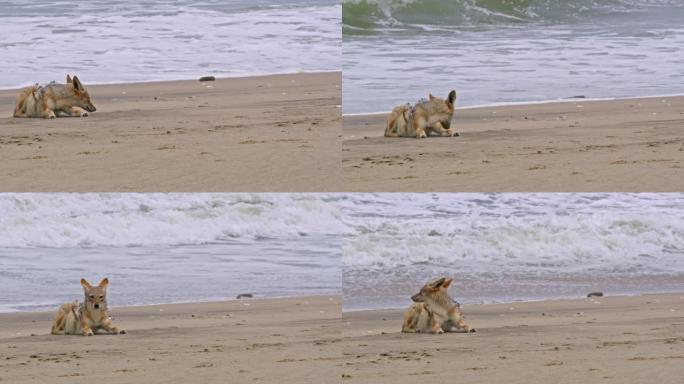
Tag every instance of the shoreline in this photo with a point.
(200, 302)
(530, 102)
(610, 338)
(275, 133)
(217, 78)
(570, 146)
(524, 301)
(292, 339)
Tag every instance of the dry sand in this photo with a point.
(257, 341)
(603, 340)
(270, 133)
(580, 146)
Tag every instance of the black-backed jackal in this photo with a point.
(88, 317)
(434, 311)
(423, 119)
(54, 100)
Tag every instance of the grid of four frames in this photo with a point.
(354, 191)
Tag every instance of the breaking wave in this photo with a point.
(368, 16)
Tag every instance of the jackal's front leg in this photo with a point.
(78, 112)
(85, 328)
(435, 325)
(72, 112)
(419, 125)
(108, 326)
(49, 114)
(461, 324)
(439, 128)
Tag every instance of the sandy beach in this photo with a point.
(267, 341)
(608, 339)
(621, 146)
(269, 133)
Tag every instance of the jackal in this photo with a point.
(53, 100)
(426, 117)
(434, 310)
(88, 317)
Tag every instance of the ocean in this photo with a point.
(376, 249)
(510, 247)
(122, 41)
(166, 248)
(515, 51)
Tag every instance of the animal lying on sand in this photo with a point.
(423, 119)
(86, 318)
(434, 311)
(54, 100)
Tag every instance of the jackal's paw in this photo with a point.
(471, 330)
(456, 134)
(122, 332)
(84, 114)
(450, 133)
(88, 333)
(422, 135)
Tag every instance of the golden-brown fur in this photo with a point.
(427, 117)
(434, 311)
(86, 318)
(397, 122)
(53, 100)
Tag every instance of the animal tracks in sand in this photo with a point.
(20, 140)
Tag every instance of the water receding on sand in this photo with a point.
(506, 247)
(495, 52)
(133, 41)
(166, 248)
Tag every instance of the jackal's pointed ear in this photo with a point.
(77, 83)
(104, 282)
(447, 283)
(69, 81)
(437, 283)
(430, 95)
(86, 284)
(452, 97)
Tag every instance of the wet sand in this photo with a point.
(254, 341)
(580, 146)
(270, 133)
(601, 340)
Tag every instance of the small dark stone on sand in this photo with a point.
(245, 296)
(207, 78)
(595, 294)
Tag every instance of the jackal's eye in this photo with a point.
(101, 297)
(92, 296)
